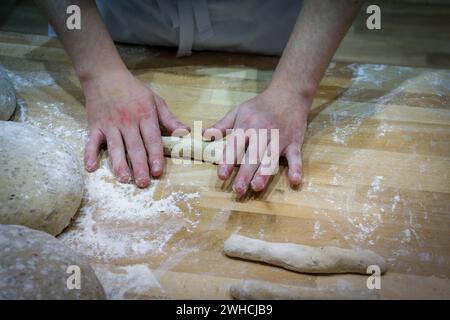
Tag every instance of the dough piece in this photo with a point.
(34, 265)
(40, 178)
(302, 258)
(262, 290)
(7, 97)
(195, 149)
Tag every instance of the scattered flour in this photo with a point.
(395, 201)
(119, 208)
(317, 231)
(372, 77)
(21, 110)
(133, 279)
(406, 236)
(383, 128)
(30, 79)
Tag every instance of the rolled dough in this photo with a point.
(301, 258)
(34, 265)
(190, 148)
(40, 178)
(262, 290)
(7, 96)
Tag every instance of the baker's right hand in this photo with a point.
(127, 115)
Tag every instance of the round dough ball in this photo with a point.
(7, 97)
(40, 178)
(35, 265)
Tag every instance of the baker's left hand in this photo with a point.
(275, 108)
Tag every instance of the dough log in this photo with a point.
(190, 148)
(301, 258)
(262, 290)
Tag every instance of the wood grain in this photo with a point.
(376, 171)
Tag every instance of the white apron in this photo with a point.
(251, 26)
(254, 26)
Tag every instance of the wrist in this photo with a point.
(99, 80)
(297, 77)
(100, 72)
(302, 95)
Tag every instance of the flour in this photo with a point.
(135, 279)
(21, 110)
(395, 201)
(119, 208)
(382, 129)
(125, 202)
(317, 231)
(372, 77)
(30, 79)
(375, 187)
(406, 236)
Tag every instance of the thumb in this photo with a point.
(169, 123)
(227, 122)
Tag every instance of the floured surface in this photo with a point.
(105, 226)
(376, 166)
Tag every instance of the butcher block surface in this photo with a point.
(376, 162)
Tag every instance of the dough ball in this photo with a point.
(40, 178)
(34, 265)
(7, 97)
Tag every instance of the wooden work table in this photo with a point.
(376, 175)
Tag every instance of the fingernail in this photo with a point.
(90, 163)
(295, 178)
(124, 178)
(257, 184)
(223, 173)
(142, 179)
(240, 187)
(205, 135)
(156, 168)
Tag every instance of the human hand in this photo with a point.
(127, 115)
(274, 108)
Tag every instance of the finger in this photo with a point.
(137, 154)
(294, 158)
(233, 150)
(91, 151)
(222, 125)
(151, 135)
(167, 119)
(249, 164)
(116, 151)
(267, 168)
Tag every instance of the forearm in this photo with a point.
(319, 29)
(91, 49)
